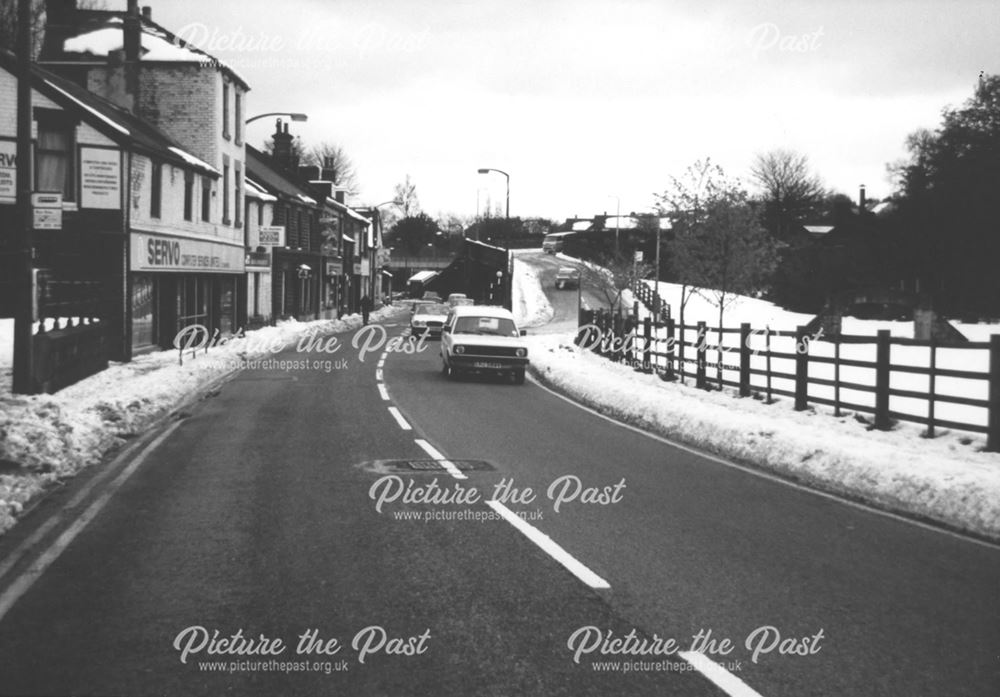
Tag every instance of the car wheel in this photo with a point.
(450, 372)
(559, 285)
(519, 376)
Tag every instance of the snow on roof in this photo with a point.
(818, 229)
(114, 124)
(306, 199)
(192, 160)
(157, 45)
(582, 225)
(255, 190)
(423, 276)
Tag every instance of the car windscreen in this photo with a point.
(434, 309)
(493, 326)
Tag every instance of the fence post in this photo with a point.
(671, 346)
(882, 380)
(931, 380)
(745, 359)
(700, 381)
(801, 369)
(993, 429)
(836, 375)
(647, 330)
(767, 349)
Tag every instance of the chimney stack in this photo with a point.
(282, 152)
(861, 199)
(147, 13)
(132, 29)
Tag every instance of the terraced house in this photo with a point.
(185, 236)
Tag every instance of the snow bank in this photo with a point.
(46, 438)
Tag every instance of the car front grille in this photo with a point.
(491, 351)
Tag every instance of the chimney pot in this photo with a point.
(147, 13)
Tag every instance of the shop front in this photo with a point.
(296, 284)
(176, 282)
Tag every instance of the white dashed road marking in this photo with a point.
(399, 419)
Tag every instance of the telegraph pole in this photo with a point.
(23, 319)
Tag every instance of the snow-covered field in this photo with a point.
(946, 479)
(46, 438)
(761, 314)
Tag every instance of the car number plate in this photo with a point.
(487, 364)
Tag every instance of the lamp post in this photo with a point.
(487, 170)
(293, 115)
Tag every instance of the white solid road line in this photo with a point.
(23, 582)
(436, 454)
(399, 419)
(550, 547)
(384, 393)
(719, 676)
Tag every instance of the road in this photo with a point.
(255, 513)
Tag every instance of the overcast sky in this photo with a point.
(585, 101)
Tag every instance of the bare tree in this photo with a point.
(406, 197)
(789, 191)
(611, 275)
(333, 157)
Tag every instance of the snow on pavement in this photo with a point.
(47, 438)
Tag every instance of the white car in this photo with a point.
(428, 318)
(483, 339)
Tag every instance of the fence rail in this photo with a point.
(811, 368)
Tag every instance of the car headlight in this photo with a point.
(418, 323)
(459, 349)
(521, 352)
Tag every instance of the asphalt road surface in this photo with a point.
(309, 510)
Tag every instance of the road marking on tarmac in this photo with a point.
(718, 675)
(436, 454)
(550, 547)
(399, 419)
(23, 582)
(384, 393)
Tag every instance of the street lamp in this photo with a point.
(487, 170)
(294, 116)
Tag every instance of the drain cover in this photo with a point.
(428, 465)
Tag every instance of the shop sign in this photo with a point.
(46, 211)
(8, 171)
(100, 178)
(271, 235)
(161, 253)
(258, 260)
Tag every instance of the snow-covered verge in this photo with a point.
(531, 306)
(947, 479)
(47, 438)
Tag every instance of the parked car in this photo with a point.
(455, 298)
(428, 318)
(483, 339)
(567, 277)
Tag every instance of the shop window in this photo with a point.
(54, 155)
(143, 311)
(227, 305)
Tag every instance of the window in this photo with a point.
(225, 110)
(225, 191)
(206, 199)
(238, 194)
(188, 195)
(238, 126)
(54, 155)
(155, 189)
(260, 213)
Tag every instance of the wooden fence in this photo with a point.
(698, 352)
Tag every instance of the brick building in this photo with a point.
(199, 103)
